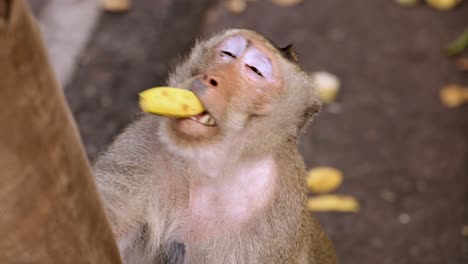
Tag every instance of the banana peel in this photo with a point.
(171, 102)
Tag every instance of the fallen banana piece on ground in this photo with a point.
(454, 95)
(407, 2)
(443, 4)
(328, 86)
(170, 101)
(337, 203)
(287, 3)
(116, 6)
(324, 179)
(236, 6)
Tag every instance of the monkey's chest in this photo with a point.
(225, 206)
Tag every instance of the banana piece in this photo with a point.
(170, 101)
(324, 179)
(407, 2)
(328, 86)
(336, 203)
(443, 5)
(454, 95)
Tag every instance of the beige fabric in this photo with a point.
(49, 207)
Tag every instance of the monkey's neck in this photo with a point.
(211, 160)
(264, 136)
(235, 150)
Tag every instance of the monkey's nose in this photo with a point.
(198, 87)
(201, 85)
(212, 81)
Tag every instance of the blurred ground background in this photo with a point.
(404, 155)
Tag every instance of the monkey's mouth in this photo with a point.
(204, 118)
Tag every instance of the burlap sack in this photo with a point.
(49, 207)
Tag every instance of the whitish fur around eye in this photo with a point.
(233, 47)
(258, 63)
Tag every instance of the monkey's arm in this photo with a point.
(123, 174)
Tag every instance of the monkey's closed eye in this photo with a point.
(252, 68)
(230, 54)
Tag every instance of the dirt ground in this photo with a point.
(403, 154)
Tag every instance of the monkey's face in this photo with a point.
(236, 80)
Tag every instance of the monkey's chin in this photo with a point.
(187, 130)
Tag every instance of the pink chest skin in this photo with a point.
(221, 205)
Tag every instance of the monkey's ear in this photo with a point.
(314, 107)
(289, 53)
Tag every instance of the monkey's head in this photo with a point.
(247, 86)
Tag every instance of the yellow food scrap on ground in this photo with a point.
(287, 3)
(336, 203)
(169, 101)
(443, 5)
(454, 95)
(324, 179)
(116, 5)
(464, 231)
(407, 2)
(236, 6)
(328, 85)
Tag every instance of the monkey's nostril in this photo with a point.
(213, 82)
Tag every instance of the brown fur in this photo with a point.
(147, 176)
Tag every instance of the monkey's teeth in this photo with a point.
(211, 121)
(205, 119)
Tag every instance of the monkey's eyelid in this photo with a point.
(254, 69)
(230, 54)
(260, 61)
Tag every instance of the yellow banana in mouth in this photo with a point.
(170, 101)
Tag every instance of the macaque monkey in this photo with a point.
(227, 185)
